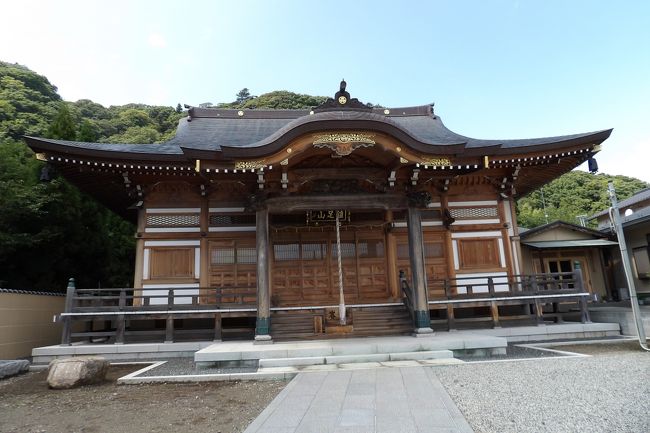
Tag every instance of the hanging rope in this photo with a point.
(338, 250)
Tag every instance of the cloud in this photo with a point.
(157, 40)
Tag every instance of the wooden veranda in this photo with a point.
(123, 314)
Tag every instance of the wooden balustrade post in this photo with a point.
(169, 323)
(539, 313)
(494, 308)
(490, 283)
(67, 320)
(217, 327)
(451, 318)
(579, 284)
(120, 322)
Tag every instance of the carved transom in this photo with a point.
(343, 144)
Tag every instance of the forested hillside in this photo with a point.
(49, 231)
(574, 194)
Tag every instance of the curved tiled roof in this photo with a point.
(250, 132)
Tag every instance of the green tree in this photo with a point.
(243, 95)
(50, 231)
(571, 195)
(63, 126)
(87, 131)
(280, 99)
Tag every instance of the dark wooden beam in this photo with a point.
(333, 202)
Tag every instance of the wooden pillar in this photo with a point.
(139, 258)
(418, 273)
(263, 324)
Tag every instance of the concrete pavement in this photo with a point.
(393, 400)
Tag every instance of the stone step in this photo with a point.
(348, 359)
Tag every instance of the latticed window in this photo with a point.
(474, 212)
(231, 255)
(314, 251)
(371, 248)
(289, 251)
(173, 220)
(348, 250)
(222, 256)
(246, 255)
(220, 220)
(431, 250)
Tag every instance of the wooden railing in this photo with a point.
(407, 293)
(531, 291)
(115, 306)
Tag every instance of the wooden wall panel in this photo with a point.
(478, 254)
(171, 263)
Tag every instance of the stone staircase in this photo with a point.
(328, 354)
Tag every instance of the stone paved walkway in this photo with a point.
(392, 400)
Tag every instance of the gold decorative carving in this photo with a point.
(403, 160)
(284, 161)
(343, 144)
(436, 162)
(245, 165)
(41, 157)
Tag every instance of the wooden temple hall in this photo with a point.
(326, 222)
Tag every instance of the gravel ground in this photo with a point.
(609, 392)
(185, 366)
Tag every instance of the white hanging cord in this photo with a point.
(338, 250)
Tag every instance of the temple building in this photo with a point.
(294, 218)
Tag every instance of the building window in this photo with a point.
(225, 220)
(561, 266)
(235, 254)
(284, 252)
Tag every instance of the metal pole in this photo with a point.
(616, 220)
(338, 249)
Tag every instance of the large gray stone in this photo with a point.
(71, 372)
(13, 367)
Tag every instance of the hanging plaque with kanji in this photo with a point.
(317, 217)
